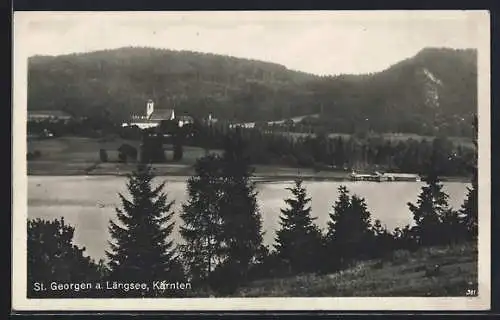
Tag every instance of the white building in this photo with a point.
(152, 117)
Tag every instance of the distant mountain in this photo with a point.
(432, 91)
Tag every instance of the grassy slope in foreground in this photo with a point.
(402, 275)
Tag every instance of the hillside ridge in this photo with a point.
(239, 89)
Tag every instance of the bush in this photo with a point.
(400, 256)
(103, 155)
(33, 155)
(127, 152)
(178, 152)
(52, 256)
(152, 150)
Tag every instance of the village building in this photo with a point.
(210, 120)
(48, 115)
(153, 117)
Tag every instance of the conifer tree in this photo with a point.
(428, 212)
(349, 229)
(335, 230)
(241, 234)
(141, 249)
(436, 223)
(383, 241)
(359, 224)
(202, 222)
(299, 239)
(469, 209)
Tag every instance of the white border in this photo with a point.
(21, 303)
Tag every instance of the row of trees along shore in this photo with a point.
(222, 247)
(318, 150)
(322, 151)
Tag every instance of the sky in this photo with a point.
(322, 42)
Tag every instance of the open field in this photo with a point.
(403, 275)
(81, 149)
(79, 155)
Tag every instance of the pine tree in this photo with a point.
(241, 220)
(469, 209)
(141, 250)
(299, 239)
(359, 224)
(428, 213)
(383, 241)
(337, 217)
(469, 212)
(452, 229)
(201, 216)
(349, 228)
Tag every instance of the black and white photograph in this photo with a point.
(251, 160)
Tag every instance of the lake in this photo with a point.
(88, 202)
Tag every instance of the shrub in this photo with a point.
(400, 257)
(178, 152)
(103, 155)
(33, 155)
(52, 256)
(126, 152)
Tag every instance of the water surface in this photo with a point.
(88, 202)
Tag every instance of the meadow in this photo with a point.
(417, 276)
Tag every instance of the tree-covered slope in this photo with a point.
(436, 88)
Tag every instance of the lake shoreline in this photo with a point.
(259, 177)
(89, 202)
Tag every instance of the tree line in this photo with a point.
(352, 152)
(222, 247)
(318, 150)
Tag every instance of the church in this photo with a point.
(153, 117)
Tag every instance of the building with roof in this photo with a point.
(184, 120)
(387, 176)
(48, 115)
(152, 117)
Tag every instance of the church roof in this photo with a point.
(161, 114)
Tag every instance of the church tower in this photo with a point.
(149, 108)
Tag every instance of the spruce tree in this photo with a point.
(469, 209)
(335, 228)
(349, 229)
(359, 224)
(241, 235)
(299, 239)
(141, 249)
(383, 242)
(201, 216)
(428, 212)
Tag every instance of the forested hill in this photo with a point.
(434, 91)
